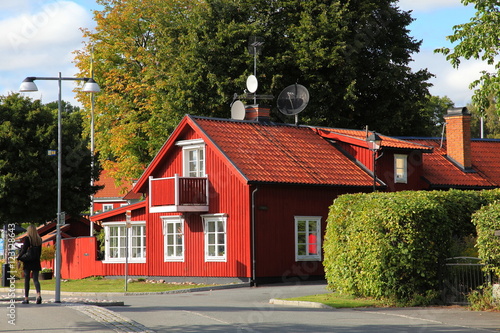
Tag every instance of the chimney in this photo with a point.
(458, 137)
(257, 112)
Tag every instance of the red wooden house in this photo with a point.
(247, 200)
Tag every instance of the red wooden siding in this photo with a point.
(162, 191)
(178, 191)
(276, 208)
(227, 194)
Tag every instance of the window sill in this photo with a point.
(122, 261)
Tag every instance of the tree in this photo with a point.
(157, 60)
(490, 119)
(435, 108)
(28, 176)
(478, 39)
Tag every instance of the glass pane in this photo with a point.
(313, 226)
(301, 226)
(211, 238)
(221, 250)
(170, 239)
(211, 250)
(301, 250)
(170, 228)
(179, 250)
(301, 238)
(170, 251)
(220, 239)
(220, 226)
(211, 226)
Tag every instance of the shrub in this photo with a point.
(392, 245)
(487, 220)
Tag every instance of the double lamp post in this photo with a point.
(28, 85)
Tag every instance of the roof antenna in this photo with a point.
(442, 135)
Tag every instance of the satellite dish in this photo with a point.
(238, 110)
(252, 84)
(293, 99)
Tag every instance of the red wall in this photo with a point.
(276, 207)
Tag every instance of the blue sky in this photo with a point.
(39, 36)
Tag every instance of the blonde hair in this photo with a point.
(35, 239)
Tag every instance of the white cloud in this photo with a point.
(427, 5)
(40, 41)
(449, 81)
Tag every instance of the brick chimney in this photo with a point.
(458, 137)
(257, 112)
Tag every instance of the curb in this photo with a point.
(304, 304)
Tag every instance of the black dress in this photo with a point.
(32, 265)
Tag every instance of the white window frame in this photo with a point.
(197, 146)
(176, 221)
(106, 207)
(401, 173)
(302, 239)
(215, 240)
(122, 230)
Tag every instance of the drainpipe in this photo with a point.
(252, 282)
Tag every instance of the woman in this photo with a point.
(34, 240)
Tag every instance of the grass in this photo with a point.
(337, 300)
(97, 285)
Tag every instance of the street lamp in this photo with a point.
(374, 141)
(28, 85)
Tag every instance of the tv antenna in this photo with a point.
(293, 100)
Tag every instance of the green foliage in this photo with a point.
(28, 176)
(478, 39)
(392, 245)
(482, 299)
(157, 60)
(487, 220)
(48, 253)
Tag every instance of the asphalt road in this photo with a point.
(241, 310)
(248, 310)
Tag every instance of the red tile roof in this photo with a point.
(441, 172)
(110, 190)
(359, 137)
(280, 153)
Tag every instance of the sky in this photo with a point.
(39, 37)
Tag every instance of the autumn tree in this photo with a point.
(157, 60)
(28, 175)
(478, 39)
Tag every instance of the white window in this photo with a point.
(173, 233)
(307, 238)
(400, 168)
(121, 241)
(215, 237)
(193, 157)
(106, 207)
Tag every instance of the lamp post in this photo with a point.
(374, 142)
(28, 85)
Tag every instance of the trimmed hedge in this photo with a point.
(487, 220)
(392, 245)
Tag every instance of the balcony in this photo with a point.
(178, 194)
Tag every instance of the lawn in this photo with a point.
(336, 300)
(97, 285)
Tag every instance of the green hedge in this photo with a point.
(392, 245)
(487, 220)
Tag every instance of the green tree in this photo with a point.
(490, 118)
(435, 108)
(157, 60)
(478, 39)
(28, 176)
